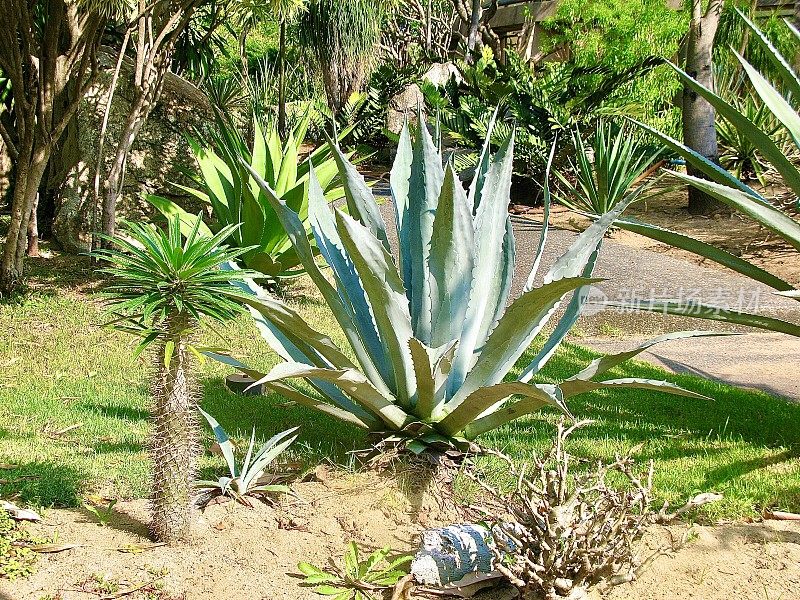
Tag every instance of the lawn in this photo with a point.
(73, 411)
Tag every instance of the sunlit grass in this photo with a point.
(59, 368)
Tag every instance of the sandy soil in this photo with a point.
(251, 553)
(734, 233)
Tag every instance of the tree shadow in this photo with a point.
(320, 437)
(55, 272)
(43, 483)
(117, 411)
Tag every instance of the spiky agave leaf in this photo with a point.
(235, 196)
(244, 479)
(434, 340)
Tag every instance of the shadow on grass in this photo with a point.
(320, 438)
(43, 484)
(117, 411)
(51, 274)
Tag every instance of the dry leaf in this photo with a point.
(51, 548)
(20, 514)
(139, 548)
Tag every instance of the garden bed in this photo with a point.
(253, 553)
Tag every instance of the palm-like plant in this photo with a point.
(162, 288)
(738, 152)
(235, 196)
(343, 36)
(432, 339)
(252, 12)
(609, 173)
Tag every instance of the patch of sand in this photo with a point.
(252, 553)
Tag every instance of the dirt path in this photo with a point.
(765, 361)
(251, 553)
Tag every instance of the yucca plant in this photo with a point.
(235, 196)
(247, 479)
(433, 340)
(727, 188)
(609, 173)
(162, 288)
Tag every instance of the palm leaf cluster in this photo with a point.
(780, 98)
(157, 274)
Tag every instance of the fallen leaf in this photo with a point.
(19, 514)
(139, 548)
(51, 548)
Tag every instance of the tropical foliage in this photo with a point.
(247, 479)
(779, 99)
(162, 288)
(610, 173)
(433, 340)
(539, 104)
(228, 174)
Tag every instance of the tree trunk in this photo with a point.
(116, 175)
(699, 131)
(282, 81)
(26, 188)
(174, 447)
(474, 23)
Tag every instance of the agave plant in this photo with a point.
(609, 174)
(247, 479)
(738, 152)
(235, 196)
(727, 188)
(162, 289)
(433, 340)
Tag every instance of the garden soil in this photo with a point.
(247, 553)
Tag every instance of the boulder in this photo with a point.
(158, 159)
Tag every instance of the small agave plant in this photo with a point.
(246, 480)
(433, 336)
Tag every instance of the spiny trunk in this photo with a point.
(174, 447)
(699, 130)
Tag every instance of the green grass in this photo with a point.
(59, 367)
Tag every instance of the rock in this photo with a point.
(156, 161)
(404, 105)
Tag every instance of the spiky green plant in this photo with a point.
(432, 339)
(161, 290)
(607, 175)
(244, 480)
(235, 197)
(780, 98)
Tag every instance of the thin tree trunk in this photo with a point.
(174, 447)
(699, 131)
(33, 228)
(116, 175)
(474, 23)
(282, 81)
(26, 188)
